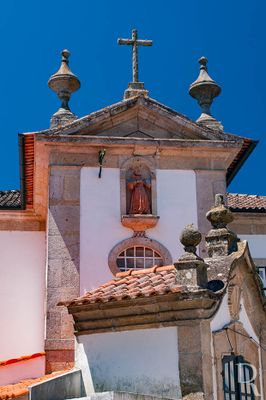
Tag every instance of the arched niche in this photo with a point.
(147, 174)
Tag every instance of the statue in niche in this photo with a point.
(140, 194)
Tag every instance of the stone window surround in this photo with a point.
(137, 241)
(137, 161)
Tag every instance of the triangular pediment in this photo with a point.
(141, 117)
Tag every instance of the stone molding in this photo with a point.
(144, 313)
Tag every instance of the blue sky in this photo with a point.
(231, 34)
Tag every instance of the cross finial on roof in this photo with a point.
(135, 87)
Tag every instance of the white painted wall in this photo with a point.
(177, 207)
(257, 245)
(140, 361)
(100, 226)
(22, 291)
(243, 317)
(222, 316)
(14, 373)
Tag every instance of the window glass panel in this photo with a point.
(130, 263)
(130, 252)
(149, 263)
(232, 376)
(121, 263)
(241, 378)
(148, 252)
(139, 251)
(140, 263)
(226, 376)
(247, 378)
(156, 254)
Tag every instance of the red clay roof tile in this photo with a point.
(132, 284)
(246, 202)
(22, 388)
(10, 199)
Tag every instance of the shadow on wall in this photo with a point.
(67, 386)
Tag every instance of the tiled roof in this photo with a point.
(29, 154)
(131, 284)
(10, 199)
(246, 202)
(22, 388)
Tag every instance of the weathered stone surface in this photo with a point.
(220, 241)
(56, 188)
(64, 83)
(72, 187)
(63, 264)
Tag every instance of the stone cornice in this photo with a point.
(109, 115)
(21, 220)
(142, 313)
(119, 140)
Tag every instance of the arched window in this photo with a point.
(138, 257)
(138, 253)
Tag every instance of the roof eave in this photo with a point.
(240, 159)
(143, 312)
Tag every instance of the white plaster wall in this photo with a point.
(22, 291)
(222, 316)
(243, 317)
(257, 245)
(100, 226)
(177, 207)
(141, 361)
(14, 373)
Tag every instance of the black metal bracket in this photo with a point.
(100, 159)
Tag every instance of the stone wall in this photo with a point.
(63, 243)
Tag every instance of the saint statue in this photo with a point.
(140, 195)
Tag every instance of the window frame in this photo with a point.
(236, 393)
(137, 242)
(154, 259)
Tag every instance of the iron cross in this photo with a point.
(134, 42)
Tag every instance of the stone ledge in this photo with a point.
(139, 222)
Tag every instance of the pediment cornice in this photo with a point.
(140, 114)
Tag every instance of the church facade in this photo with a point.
(92, 237)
